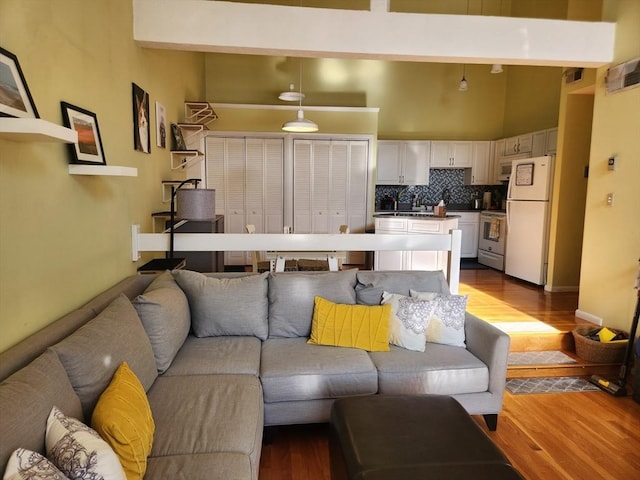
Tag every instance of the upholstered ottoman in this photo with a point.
(385, 437)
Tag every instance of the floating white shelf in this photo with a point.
(79, 169)
(35, 130)
(199, 112)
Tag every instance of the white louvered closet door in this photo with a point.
(338, 191)
(320, 186)
(234, 172)
(254, 183)
(357, 194)
(302, 186)
(273, 206)
(214, 155)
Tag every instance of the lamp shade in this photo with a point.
(300, 124)
(196, 204)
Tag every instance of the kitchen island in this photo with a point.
(408, 223)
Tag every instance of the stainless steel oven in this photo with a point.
(493, 239)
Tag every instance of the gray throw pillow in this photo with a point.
(292, 295)
(401, 281)
(164, 311)
(368, 294)
(26, 399)
(226, 306)
(93, 353)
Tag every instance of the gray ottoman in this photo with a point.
(384, 437)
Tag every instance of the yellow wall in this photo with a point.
(612, 234)
(64, 238)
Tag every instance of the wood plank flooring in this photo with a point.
(566, 436)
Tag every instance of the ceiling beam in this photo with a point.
(259, 29)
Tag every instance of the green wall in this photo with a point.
(65, 238)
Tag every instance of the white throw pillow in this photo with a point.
(78, 451)
(409, 319)
(27, 465)
(446, 324)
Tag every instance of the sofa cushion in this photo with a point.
(401, 281)
(291, 299)
(291, 369)
(226, 306)
(26, 399)
(78, 451)
(207, 414)
(92, 354)
(357, 326)
(440, 369)
(446, 323)
(164, 311)
(27, 465)
(368, 294)
(123, 419)
(217, 355)
(409, 320)
(225, 465)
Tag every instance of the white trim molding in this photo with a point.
(589, 317)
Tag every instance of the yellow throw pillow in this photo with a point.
(123, 419)
(358, 326)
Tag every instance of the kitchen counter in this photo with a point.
(417, 214)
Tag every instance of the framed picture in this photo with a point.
(88, 150)
(15, 98)
(161, 126)
(178, 140)
(141, 125)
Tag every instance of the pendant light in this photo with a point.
(291, 95)
(496, 68)
(300, 124)
(463, 86)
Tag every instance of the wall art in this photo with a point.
(161, 125)
(88, 150)
(141, 124)
(15, 98)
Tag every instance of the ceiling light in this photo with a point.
(496, 68)
(300, 124)
(291, 95)
(463, 86)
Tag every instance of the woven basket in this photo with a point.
(597, 352)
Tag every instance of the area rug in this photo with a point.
(546, 357)
(521, 386)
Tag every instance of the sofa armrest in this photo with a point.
(491, 345)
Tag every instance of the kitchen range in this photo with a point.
(493, 239)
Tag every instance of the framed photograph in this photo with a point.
(15, 98)
(161, 126)
(141, 125)
(178, 140)
(88, 150)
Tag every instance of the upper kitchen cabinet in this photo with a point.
(481, 172)
(403, 162)
(519, 144)
(551, 141)
(456, 154)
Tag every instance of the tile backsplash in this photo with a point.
(439, 179)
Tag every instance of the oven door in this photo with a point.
(492, 233)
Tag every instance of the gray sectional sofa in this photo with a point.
(221, 356)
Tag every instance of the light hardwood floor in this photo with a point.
(569, 436)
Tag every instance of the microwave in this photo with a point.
(505, 163)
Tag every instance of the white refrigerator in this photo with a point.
(528, 211)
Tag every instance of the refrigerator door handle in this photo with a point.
(508, 215)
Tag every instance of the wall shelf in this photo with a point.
(107, 170)
(35, 130)
(185, 158)
(199, 112)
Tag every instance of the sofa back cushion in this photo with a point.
(93, 353)
(164, 311)
(226, 306)
(292, 295)
(402, 281)
(26, 399)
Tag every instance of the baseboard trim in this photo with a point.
(561, 289)
(589, 317)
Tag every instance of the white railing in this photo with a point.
(206, 242)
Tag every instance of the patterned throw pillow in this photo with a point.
(78, 451)
(27, 465)
(446, 324)
(409, 319)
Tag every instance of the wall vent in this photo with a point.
(573, 75)
(623, 76)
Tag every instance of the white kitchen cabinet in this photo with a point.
(330, 187)
(247, 174)
(469, 224)
(552, 141)
(481, 172)
(539, 143)
(498, 154)
(456, 154)
(519, 144)
(403, 162)
(412, 260)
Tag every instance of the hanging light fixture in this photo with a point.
(496, 68)
(291, 95)
(463, 86)
(300, 124)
